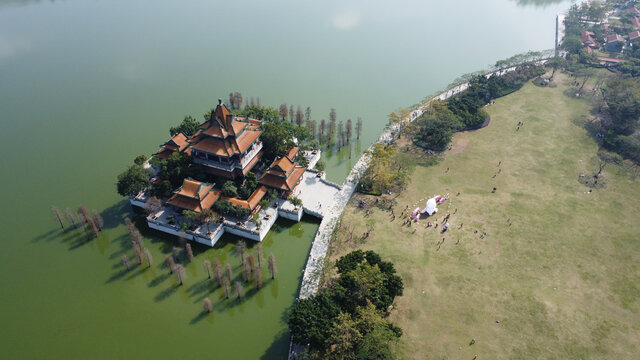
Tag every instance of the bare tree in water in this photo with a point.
(237, 99)
(273, 268)
(299, 116)
(291, 113)
(259, 254)
(207, 268)
(71, 217)
(246, 270)
(307, 113)
(180, 273)
(139, 254)
(97, 218)
(321, 130)
(229, 272)
(257, 278)
(187, 249)
(206, 305)
(125, 262)
(313, 129)
(227, 290)
(284, 111)
(340, 134)
(358, 128)
(148, 257)
(349, 130)
(217, 271)
(241, 248)
(93, 227)
(57, 215)
(169, 263)
(81, 218)
(239, 289)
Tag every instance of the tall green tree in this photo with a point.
(188, 126)
(132, 181)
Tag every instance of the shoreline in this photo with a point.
(320, 244)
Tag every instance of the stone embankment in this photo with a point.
(331, 214)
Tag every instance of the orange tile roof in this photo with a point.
(177, 143)
(292, 153)
(194, 195)
(283, 183)
(224, 134)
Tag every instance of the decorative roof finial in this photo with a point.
(219, 101)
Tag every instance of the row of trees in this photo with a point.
(91, 223)
(465, 111)
(251, 271)
(346, 320)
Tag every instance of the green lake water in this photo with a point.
(85, 86)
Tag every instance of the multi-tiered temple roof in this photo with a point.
(194, 195)
(284, 173)
(226, 144)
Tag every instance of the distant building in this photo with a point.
(634, 35)
(635, 22)
(587, 39)
(284, 174)
(614, 43)
(227, 145)
(633, 11)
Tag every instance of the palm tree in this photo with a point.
(206, 304)
(57, 215)
(241, 248)
(125, 262)
(207, 268)
(239, 289)
(273, 269)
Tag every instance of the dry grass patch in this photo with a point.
(557, 275)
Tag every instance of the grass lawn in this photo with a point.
(557, 275)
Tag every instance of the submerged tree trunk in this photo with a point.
(273, 268)
(57, 215)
